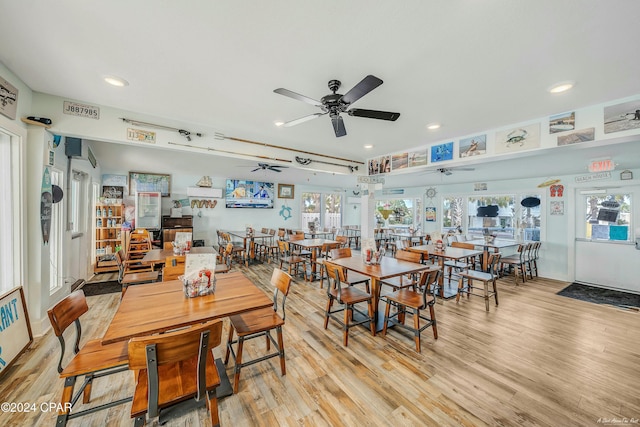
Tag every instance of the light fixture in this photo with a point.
(367, 146)
(433, 126)
(561, 87)
(116, 81)
(277, 123)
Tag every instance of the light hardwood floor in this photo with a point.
(538, 359)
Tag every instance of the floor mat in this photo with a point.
(601, 295)
(92, 289)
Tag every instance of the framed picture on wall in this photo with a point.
(149, 182)
(285, 191)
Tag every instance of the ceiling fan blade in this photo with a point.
(338, 126)
(365, 86)
(374, 114)
(290, 94)
(273, 168)
(302, 119)
(256, 169)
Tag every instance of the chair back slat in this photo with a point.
(340, 253)
(67, 311)
(174, 347)
(281, 281)
(409, 256)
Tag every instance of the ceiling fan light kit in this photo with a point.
(336, 103)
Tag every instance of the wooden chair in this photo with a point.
(137, 247)
(133, 277)
(485, 277)
(516, 263)
(297, 250)
(167, 245)
(343, 240)
(535, 255)
(258, 323)
(405, 281)
(238, 249)
(173, 367)
(292, 261)
(420, 299)
(325, 255)
(94, 360)
(347, 297)
(173, 267)
(223, 259)
(350, 277)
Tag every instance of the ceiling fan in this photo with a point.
(266, 166)
(336, 103)
(449, 171)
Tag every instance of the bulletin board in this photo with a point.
(15, 329)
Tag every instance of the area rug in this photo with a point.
(601, 295)
(92, 289)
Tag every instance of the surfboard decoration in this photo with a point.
(46, 200)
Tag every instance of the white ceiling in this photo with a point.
(470, 65)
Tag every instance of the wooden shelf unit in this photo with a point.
(108, 235)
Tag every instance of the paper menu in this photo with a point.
(196, 262)
(182, 237)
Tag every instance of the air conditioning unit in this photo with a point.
(77, 148)
(204, 192)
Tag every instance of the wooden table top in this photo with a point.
(160, 307)
(388, 267)
(244, 235)
(449, 252)
(311, 243)
(498, 243)
(157, 256)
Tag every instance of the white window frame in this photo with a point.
(56, 238)
(12, 211)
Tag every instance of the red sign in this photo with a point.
(603, 165)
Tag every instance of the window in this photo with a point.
(77, 214)
(513, 221)
(452, 214)
(607, 217)
(323, 209)
(56, 238)
(12, 208)
(398, 213)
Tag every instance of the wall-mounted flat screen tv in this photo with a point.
(240, 193)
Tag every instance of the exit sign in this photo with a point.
(602, 165)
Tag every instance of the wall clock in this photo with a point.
(431, 192)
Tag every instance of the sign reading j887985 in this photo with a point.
(81, 110)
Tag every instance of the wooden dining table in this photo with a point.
(450, 290)
(249, 243)
(496, 246)
(160, 307)
(388, 267)
(158, 256)
(314, 246)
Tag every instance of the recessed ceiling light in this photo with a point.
(433, 126)
(277, 123)
(561, 87)
(368, 146)
(116, 81)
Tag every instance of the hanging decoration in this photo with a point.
(285, 212)
(556, 190)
